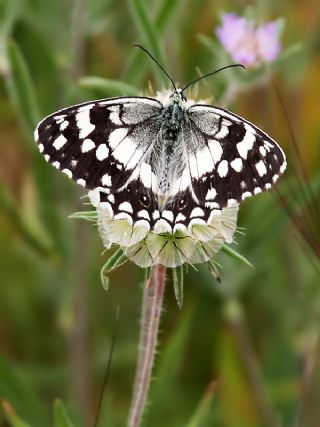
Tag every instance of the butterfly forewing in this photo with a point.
(233, 159)
(99, 144)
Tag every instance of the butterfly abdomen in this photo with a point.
(171, 148)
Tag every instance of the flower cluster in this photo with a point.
(249, 43)
(147, 247)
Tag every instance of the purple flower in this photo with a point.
(247, 42)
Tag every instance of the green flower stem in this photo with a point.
(150, 318)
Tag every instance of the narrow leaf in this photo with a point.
(147, 29)
(21, 88)
(61, 417)
(234, 254)
(202, 411)
(91, 216)
(13, 419)
(107, 86)
(135, 61)
(178, 285)
(115, 261)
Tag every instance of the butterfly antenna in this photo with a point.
(159, 65)
(211, 74)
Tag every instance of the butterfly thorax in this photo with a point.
(170, 161)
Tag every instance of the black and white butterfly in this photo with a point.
(169, 162)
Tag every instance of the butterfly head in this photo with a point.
(177, 96)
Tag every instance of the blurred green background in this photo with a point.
(241, 353)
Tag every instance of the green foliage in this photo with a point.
(61, 417)
(56, 321)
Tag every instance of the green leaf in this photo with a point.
(13, 419)
(61, 417)
(178, 284)
(91, 216)
(148, 30)
(21, 88)
(115, 261)
(234, 254)
(107, 86)
(202, 411)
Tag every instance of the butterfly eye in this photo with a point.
(145, 200)
(182, 203)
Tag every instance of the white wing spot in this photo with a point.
(117, 136)
(64, 125)
(246, 144)
(67, 172)
(201, 163)
(196, 212)
(156, 214)
(81, 182)
(41, 148)
(145, 174)
(223, 132)
(211, 194)
(283, 167)
(223, 168)
(263, 151)
(168, 215)
(237, 164)
(106, 180)
(114, 115)
(180, 217)
(257, 190)
(36, 135)
(83, 122)
(126, 206)
(59, 142)
(56, 165)
(102, 152)
(261, 168)
(144, 214)
(216, 150)
(111, 198)
(246, 195)
(212, 205)
(87, 145)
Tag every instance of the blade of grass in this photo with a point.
(61, 417)
(202, 411)
(135, 61)
(148, 32)
(21, 88)
(107, 86)
(13, 419)
(234, 254)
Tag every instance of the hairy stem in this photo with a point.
(150, 318)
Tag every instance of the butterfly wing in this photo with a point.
(99, 144)
(231, 159)
(105, 146)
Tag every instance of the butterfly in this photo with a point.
(170, 163)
